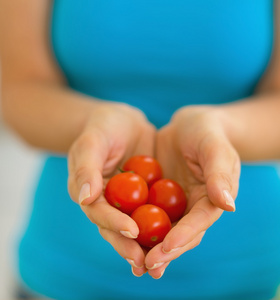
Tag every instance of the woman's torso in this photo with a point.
(159, 56)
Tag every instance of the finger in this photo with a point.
(101, 213)
(127, 248)
(85, 164)
(158, 272)
(221, 170)
(157, 258)
(201, 216)
(138, 272)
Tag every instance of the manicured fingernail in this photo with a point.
(128, 234)
(162, 272)
(132, 263)
(135, 273)
(229, 199)
(84, 193)
(155, 266)
(171, 251)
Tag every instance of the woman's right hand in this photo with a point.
(112, 133)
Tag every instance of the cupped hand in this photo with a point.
(112, 133)
(195, 151)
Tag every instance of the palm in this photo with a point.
(113, 134)
(186, 170)
(200, 158)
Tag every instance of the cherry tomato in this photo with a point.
(145, 166)
(170, 196)
(153, 223)
(126, 191)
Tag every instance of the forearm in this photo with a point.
(253, 126)
(46, 115)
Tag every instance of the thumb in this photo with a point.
(222, 172)
(86, 160)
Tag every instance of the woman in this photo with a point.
(194, 84)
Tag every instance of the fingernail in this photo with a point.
(84, 193)
(229, 199)
(132, 263)
(162, 272)
(155, 266)
(171, 251)
(128, 234)
(135, 273)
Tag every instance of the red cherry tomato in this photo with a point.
(153, 223)
(170, 196)
(126, 191)
(145, 166)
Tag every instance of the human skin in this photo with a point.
(39, 106)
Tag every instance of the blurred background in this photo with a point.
(19, 165)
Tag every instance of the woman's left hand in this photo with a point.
(195, 151)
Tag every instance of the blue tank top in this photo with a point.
(158, 56)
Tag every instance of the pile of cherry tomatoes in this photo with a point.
(153, 202)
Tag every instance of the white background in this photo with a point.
(19, 165)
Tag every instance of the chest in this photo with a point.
(200, 51)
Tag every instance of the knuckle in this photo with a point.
(200, 237)
(197, 242)
(103, 217)
(80, 174)
(109, 220)
(91, 217)
(84, 142)
(103, 232)
(208, 218)
(187, 228)
(221, 177)
(226, 178)
(71, 189)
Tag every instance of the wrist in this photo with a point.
(105, 109)
(207, 120)
(232, 126)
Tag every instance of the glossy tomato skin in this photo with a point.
(145, 166)
(170, 196)
(153, 223)
(126, 191)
